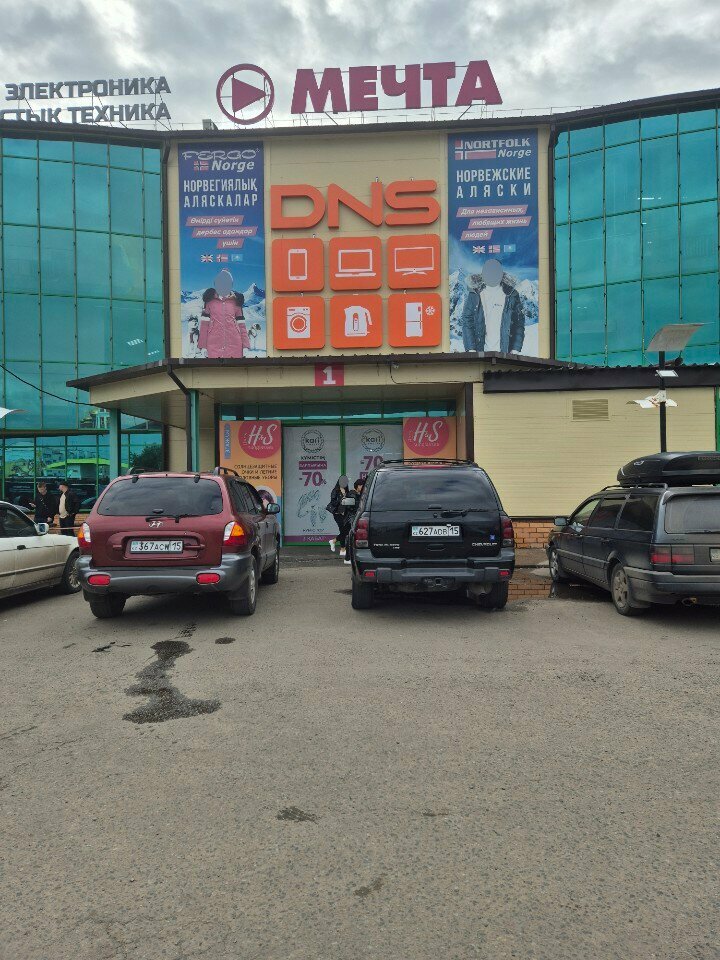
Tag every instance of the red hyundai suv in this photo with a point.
(158, 533)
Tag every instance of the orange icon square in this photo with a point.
(299, 323)
(298, 264)
(413, 261)
(356, 321)
(355, 263)
(414, 319)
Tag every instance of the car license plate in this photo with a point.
(436, 530)
(715, 554)
(156, 546)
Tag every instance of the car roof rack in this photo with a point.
(416, 460)
(218, 471)
(631, 486)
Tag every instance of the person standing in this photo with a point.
(45, 504)
(341, 514)
(67, 509)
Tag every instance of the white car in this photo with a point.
(31, 558)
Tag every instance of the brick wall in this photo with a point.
(532, 532)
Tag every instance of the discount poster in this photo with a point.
(367, 447)
(222, 249)
(493, 241)
(311, 467)
(254, 449)
(432, 437)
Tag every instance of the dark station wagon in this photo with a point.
(654, 538)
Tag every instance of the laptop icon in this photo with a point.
(355, 263)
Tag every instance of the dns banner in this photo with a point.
(493, 241)
(222, 249)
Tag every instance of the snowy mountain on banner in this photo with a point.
(528, 290)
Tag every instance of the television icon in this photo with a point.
(355, 263)
(413, 261)
(410, 260)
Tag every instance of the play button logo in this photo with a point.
(242, 86)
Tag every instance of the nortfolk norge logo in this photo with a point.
(312, 441)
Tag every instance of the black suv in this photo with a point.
(655, 538)
(431, 525)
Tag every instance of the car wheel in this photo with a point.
(272, 574)
(105, 608)
(557, 573)
(70, 582)
(363, 595)
(496, 598)
(243, 602)
(621, 593)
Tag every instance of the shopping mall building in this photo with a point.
(299, 302)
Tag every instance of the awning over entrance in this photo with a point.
(158, 391)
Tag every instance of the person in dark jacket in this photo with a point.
(45, 504)
(67, 509)
(342, 515)
(493, 318)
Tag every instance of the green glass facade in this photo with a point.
(81, 290)
(636, 237)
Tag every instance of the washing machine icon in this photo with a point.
(298, 323)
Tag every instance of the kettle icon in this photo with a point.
(357, 321)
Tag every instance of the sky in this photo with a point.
(543, 53)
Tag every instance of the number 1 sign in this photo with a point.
(329, 375)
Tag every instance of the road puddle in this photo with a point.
(165, 701)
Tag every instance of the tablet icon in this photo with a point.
(297, 264)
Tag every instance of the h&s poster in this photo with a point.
(254, 449)
(493, 241)
(222, 249)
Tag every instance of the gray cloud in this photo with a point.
(544, 53)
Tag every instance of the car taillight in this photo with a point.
(508, 534)
(208, 578)
(99, 579)
(234, 536)
(362, 532)
(84, 539)
(666, 555)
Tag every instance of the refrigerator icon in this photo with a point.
(413, 319)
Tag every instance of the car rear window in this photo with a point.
(423, 489)
(171, 496)
(693, 514)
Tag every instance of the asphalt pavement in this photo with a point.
(422, 781)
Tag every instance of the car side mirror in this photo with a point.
(272, 508)
(42, 528)
(348, 502)
(560, 521)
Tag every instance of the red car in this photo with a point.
(169, 533)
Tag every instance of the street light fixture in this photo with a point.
(672, 338)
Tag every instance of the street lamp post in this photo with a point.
(672, 338)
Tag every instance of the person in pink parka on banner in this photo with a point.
(222, 328)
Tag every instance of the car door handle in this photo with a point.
(21, 546)
(605, 541)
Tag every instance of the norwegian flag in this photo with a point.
(221, 258)
(206, 258)
(201, 165)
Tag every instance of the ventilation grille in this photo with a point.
(590, 410)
